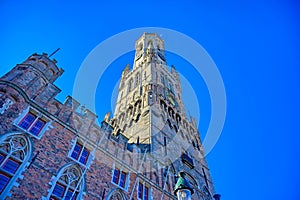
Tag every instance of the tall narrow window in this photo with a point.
(68, 185)
(130, 85)
(116, 176)
(80, 153)
(171, 87)
(142, 192)
(162, 79)
(165, 145)
(14, 153)
(137, 80)
(120, 178)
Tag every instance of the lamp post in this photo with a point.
(182, 189)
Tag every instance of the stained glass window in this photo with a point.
(69, 184)
(14, 151)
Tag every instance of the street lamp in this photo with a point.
(182, 189)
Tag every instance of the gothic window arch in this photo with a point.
(116, 194)
(140, 46)
(134, 96)
(68, 184)
(129, 112)
(178, 119)
(162, 79)
(137, 80)
(194, 144)
(121, 117)
(15, 151)
(138, 105)
(171, 112)
(171, 87)
(130, 85)
(149, 47)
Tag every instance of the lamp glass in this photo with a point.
(184, 194)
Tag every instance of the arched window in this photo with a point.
(130, 85)
(134, 96)
(68, 184)
(116, 194)
(137, 80)
(15, 151)
(171, 87)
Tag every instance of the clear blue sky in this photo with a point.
(255, 45)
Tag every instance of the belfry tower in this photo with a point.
(150, 112)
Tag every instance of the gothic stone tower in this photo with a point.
(151, 114)
(53, 150)
(149, 94)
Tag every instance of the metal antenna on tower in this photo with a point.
(54, 52)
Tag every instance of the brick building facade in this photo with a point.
(54, 150)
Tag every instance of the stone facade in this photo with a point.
(54, 150)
